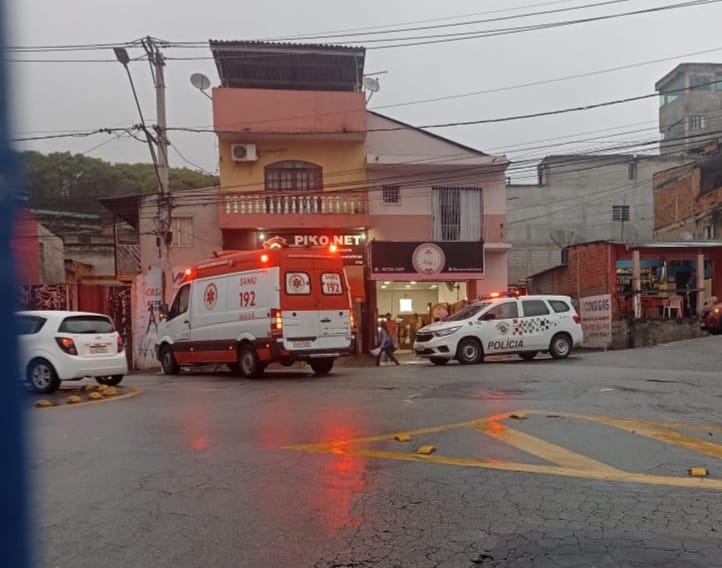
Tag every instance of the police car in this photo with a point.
(525, 325)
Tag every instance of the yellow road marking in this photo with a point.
(660, 431)
(540, 448)
(567, 463)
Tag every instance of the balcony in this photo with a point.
(281, 210)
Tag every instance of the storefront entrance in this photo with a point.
(410, 305)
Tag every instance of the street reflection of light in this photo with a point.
(195, 424)
(341, 479)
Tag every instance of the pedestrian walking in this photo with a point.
(392, 328)
(386, 345)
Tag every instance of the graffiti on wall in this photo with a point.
(145, 324)
(46, 297)
(119, 308)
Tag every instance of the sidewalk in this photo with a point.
(405, 357)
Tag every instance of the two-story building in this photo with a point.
(581, 198)
(419, 219)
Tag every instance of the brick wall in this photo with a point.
(586, 273)
(588, 270)
(674, 193)
(678, 202)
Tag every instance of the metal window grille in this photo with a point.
(457, 213)
(182, 231)
(620, 212)
(391, 193)
(696, 122)
(293, 176)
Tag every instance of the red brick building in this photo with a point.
(688, 200)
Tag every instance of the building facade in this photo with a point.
(690, 112)
(420, 220)
(688, 200)
(162, 259)
(580, 198)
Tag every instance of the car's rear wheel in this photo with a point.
(469, 351)
(42, 377)
(528, 355)
(111, 380)
(560, 346)
(167, 361)
(438, 360)
(321, 366)
(248, 364)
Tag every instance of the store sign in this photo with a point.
(449, 260)
(596, 314)
(351, 245)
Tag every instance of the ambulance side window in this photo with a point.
(298, 283)
(534, 308)
(331, 284)
(505, 310)
(180, 304)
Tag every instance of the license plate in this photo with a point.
(301, 344)
(98, 349)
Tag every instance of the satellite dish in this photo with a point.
(200, 81)
(371, 84)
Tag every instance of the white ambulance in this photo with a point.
(525, 325)
(248, 309)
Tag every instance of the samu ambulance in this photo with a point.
(248, 309)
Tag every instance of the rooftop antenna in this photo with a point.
(201, 82)
(371, 85)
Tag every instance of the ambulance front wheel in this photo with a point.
(321, 366)
(167, 361)
(248, 364)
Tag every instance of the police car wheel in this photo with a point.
(438, 360)
(469, 352)
(560, 347)
(528, 355)
(248, 363)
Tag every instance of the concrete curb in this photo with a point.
(132, 393)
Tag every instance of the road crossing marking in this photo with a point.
(564, 462)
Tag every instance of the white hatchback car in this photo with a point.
(525, 325)
(59, 346)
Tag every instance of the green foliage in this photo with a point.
(73, 182)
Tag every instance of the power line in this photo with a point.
(390, 30)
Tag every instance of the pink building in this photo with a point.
(419, 219)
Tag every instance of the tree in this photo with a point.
(63, 181)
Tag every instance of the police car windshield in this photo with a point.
(468, 311)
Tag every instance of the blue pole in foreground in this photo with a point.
(14, 551)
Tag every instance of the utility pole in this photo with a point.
(157, 65)
(157, 68)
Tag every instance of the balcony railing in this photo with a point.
(295, 203)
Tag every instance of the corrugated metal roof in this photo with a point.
(225, 44)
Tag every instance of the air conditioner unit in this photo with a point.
(243, 152)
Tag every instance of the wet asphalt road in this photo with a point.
(296, 471)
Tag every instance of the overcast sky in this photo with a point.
(51, 97)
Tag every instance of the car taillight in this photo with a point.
(577, 319)
(121, 344)
(351, 321)
(67, 345)
(276, 323)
